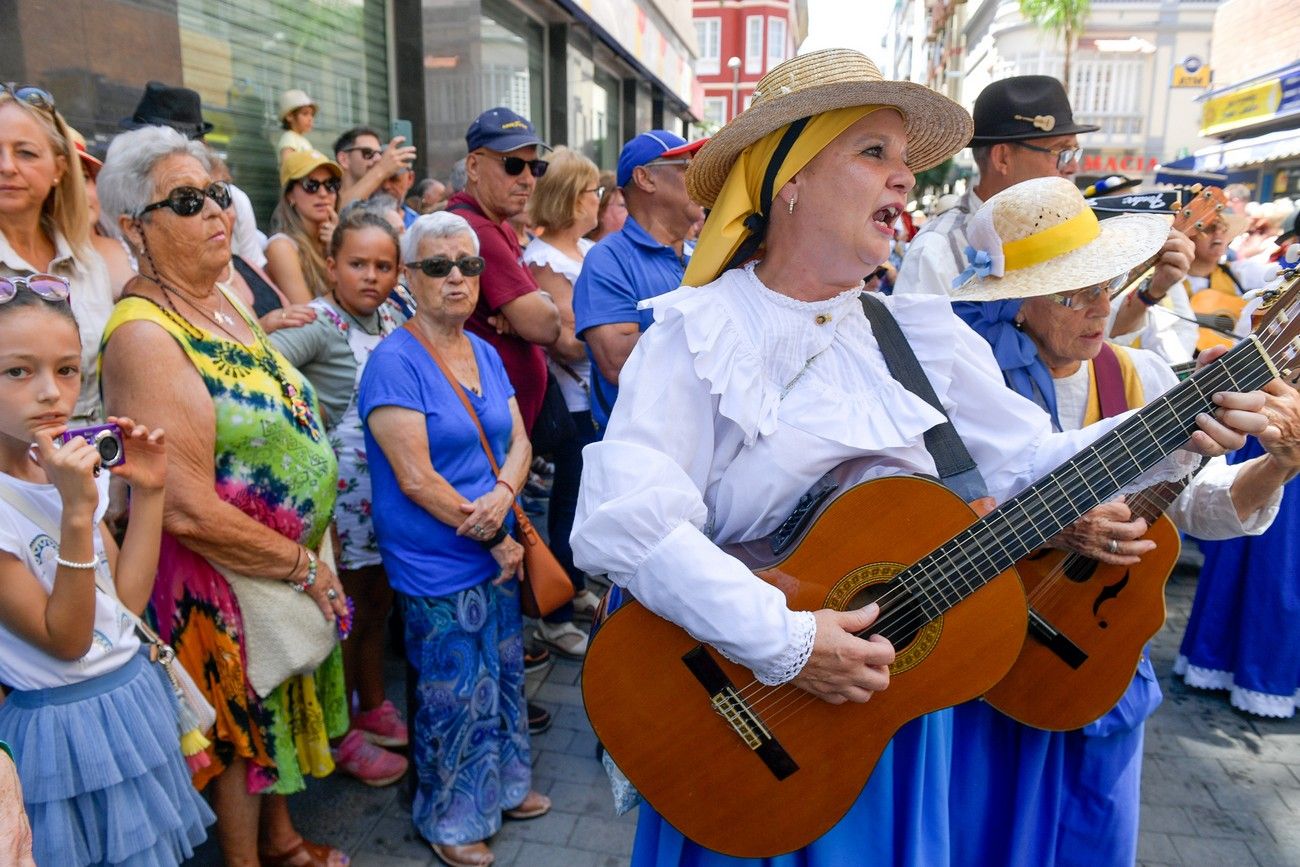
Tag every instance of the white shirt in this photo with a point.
(577, 396)
(735, 402)
(92, 304)
(1204, 509)
(938, 252)
(248, 242)
(113, 642)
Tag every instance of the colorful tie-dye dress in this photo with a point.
(272, 462)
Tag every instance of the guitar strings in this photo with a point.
(914, 619)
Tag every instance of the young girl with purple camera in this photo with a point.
(92, 724)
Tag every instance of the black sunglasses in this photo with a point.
(516, 165)
(29, 94)
(310, 186)
(188, 201)
(366, 153)
(440, 266)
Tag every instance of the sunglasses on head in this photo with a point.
(1089, 294)
(366, 153)
(440, 266)
(29, 94)
(311, 186)
(51, 287)
(188, 201)
(516, 165)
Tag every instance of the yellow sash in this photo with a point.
(1133, 394)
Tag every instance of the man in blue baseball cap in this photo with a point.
(644, 259)
(502, 169)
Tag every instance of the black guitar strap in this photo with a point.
(957, 470)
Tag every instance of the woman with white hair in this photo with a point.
(251, 483)
(443, 520)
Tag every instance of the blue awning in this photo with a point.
(1183, 172)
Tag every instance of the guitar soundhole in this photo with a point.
(899, 620)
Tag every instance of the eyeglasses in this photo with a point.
(440, 266)
(51, 287)
(515, 166)
(29, 94)
(685, 161)
(188, 201)
(367, 154)
(1064, 157)
(1088, 295)
(599, 191)
(311, 186)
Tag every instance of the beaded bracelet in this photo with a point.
(68, 564)
(310, 580)
(508, 487)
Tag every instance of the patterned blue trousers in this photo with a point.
(469, 725)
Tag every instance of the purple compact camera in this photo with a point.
(107, 440)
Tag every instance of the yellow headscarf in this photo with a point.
(725, 230)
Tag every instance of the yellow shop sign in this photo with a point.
(1241, 107)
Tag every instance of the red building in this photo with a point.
(738, 41)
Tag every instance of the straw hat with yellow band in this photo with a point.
(1039, 237)
(798, 108)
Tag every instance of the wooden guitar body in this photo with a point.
(754, 771)
(1221, 308)
(1102, 616)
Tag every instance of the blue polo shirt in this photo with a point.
(619, 273)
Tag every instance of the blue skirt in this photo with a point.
(1023, 797)
(1244, 631)
(103, 777)
(899, 820)
(469, 739)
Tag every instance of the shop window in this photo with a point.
(607, 120)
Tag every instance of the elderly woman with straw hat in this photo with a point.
(763, 373)
(1039, 291)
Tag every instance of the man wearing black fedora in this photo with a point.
(1024, 129)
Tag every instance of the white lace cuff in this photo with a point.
(803, 631)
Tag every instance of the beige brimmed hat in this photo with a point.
(293, 99)
(823, 81)
(1040, 237)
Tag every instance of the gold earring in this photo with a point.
(792, 201)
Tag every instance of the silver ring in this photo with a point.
(478, 530)
(331, 594)
(1112, 546)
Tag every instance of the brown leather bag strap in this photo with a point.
(520, 517)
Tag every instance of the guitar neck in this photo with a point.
(993, 544)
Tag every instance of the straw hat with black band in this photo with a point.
(798, 108)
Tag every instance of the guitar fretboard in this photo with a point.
(990, 546)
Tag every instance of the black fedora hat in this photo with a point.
(1024, 107)
(177, 107)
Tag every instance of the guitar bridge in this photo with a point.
(738, 713)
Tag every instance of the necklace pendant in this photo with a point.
(222, 318)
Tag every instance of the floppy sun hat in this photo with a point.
(823, 81)
(300, 164)
(1039, 237)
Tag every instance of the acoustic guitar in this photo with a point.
(1220, 311)
(755, 771)
(1088, 621)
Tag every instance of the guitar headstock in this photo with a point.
(1200, 211)
(1277, 324)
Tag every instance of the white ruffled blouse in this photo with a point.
(736, 401)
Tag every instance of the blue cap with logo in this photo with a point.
(647, 147)
(500, 129)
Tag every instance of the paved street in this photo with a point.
(1220, 788)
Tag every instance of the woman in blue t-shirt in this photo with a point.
(442, 519)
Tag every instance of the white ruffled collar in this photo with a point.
(834, 304)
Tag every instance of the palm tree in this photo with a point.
(1062, 17)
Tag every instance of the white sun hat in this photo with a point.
(1040, 237)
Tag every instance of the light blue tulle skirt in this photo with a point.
(102, 773)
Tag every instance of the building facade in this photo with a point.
(588, 73)
(737, 42)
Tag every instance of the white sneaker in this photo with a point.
(564, 638)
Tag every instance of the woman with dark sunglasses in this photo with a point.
(304, 221)
(45, 221)
(251, 485)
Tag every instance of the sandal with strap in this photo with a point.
(467, 855)
(541, 806)
(318, 853)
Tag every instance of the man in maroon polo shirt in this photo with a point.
(512, 314)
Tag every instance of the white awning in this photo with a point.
(1275, 146)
